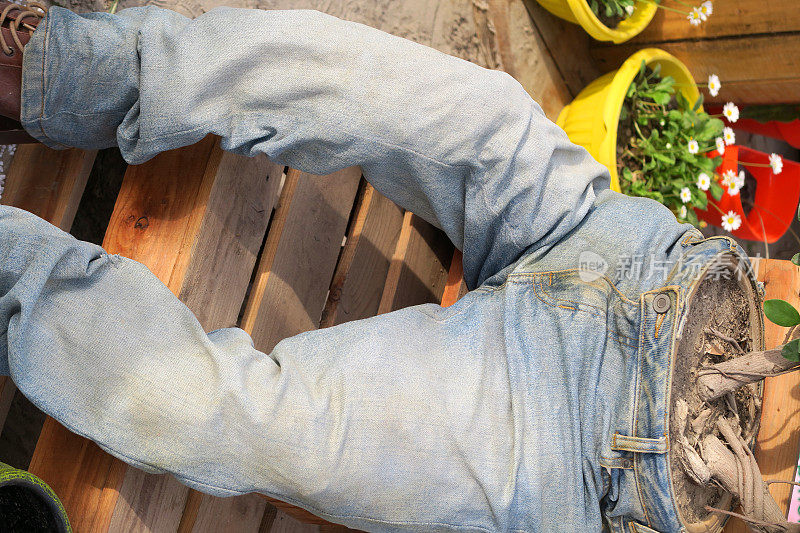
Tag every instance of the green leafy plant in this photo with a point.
(616, 10)
(666, 138)
(612, 8)
(784, 314)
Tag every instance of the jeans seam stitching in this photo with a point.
(611, 284)
(44, 68)
(638, 385)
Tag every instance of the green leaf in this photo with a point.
(642, 69)
(781, 312)
(631, 90)
(698, 103)
(663, 158)
(661, 97)
(691, 217)
(716, 190)
(700, 200)
(627, 174)
(791, 350)
(711, 129)
(796, 259)
(683, 103)
(657, 70)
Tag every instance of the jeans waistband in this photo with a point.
(642, 469)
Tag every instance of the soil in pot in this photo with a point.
(723, 322)
(610, 21)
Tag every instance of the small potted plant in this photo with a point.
(619, 20)
(651, 131)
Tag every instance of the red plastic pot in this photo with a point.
(775, 202)
(785, 131)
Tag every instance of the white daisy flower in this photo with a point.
(682, 213)
(668, 146)
(720, 145)
(629, 10)
(695, 17)
(728, 135)
(686, 195)
(713, 84)
(703, 181)
(706, 9)
(693, 147)
(739, 180)
(729, 176)
(731, 112)
(776, 162)
(733, 187)
(731, 221)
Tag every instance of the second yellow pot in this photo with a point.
(579, 12)
(592, 118)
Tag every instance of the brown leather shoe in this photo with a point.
(17, 24)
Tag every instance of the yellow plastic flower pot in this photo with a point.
(592, 118)
(579, 12)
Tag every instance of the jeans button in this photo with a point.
(661, 303)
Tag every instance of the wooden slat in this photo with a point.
(512, 43)
(741, 65)
(48, 183)
(243, 513)
(169, 213)
(360, 276)
(288, 295)
(455, 287)
(420, 264)
(779, 437)
(730, 18)
(285, 523)
(569, 45)
(300, 255)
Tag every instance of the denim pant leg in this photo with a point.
(399, 422)
(464, 147)
(407, 421)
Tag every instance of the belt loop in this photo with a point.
(620, 442)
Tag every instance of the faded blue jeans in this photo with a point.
(538, 402)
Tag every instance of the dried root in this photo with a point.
(730, 463)
(717, 380)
